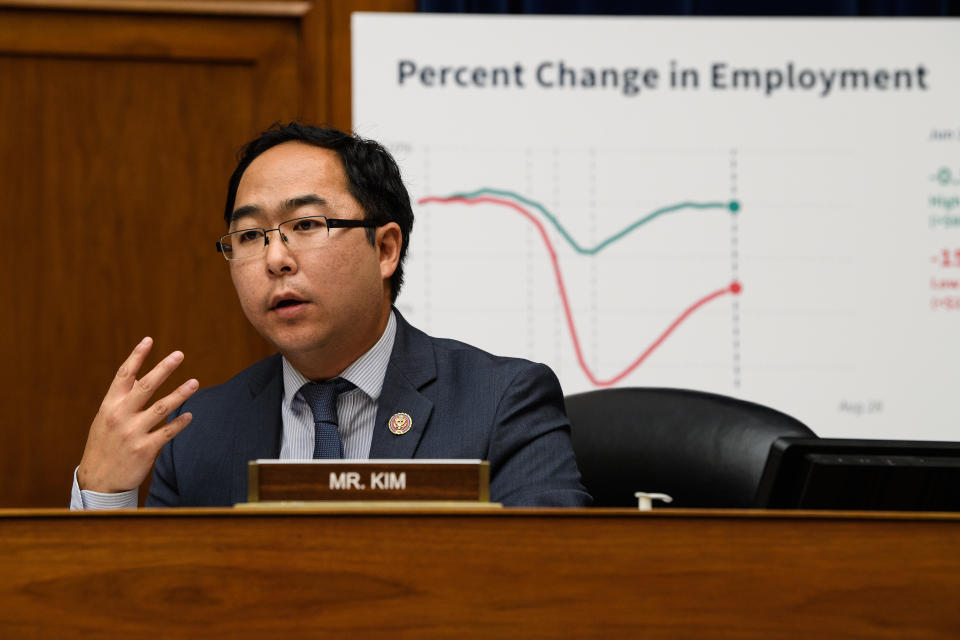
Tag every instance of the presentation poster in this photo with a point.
(763, 208)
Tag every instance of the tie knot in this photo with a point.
(322, 397)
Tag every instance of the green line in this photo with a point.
(732, 206)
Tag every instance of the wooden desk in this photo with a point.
(512, 573)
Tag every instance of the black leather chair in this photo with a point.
(703, 449)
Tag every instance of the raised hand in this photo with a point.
(124, 439)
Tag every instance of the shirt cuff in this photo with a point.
(93, 500)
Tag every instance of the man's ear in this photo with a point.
(389, 241)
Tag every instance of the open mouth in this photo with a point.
(287, 303)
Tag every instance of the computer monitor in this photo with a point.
(876, 475)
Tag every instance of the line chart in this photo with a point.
(475, 198)
(697, 242)
(732, 206)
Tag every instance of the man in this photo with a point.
(318, 225)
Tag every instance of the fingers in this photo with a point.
(162, 407)
(167, 432)
(143, 388)
(122, 443)
(127, 373)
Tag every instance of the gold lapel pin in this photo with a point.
(400, 423)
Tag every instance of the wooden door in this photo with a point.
(119, 131)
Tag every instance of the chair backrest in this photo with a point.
(703, 449)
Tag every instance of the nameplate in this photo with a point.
(348, 480)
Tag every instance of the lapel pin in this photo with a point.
(400, 423)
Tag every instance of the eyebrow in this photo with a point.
(303, 201)
(243, 212)
(288, 205)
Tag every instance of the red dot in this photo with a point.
(735, 287)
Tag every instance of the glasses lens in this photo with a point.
(242, 244)
(304, 233)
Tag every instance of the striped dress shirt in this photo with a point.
(356, 409)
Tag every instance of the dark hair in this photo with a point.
(373, 178)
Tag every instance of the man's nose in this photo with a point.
(280, 259)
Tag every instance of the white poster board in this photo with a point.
(765, 208)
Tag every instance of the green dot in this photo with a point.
(734, 205)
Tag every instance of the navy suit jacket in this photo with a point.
(464, 402)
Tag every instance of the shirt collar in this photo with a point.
(366, 372)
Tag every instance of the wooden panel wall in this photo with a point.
(119, 124)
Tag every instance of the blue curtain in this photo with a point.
(702, 7)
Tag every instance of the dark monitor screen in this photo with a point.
(877, 475)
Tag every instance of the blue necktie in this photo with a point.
(322, 398)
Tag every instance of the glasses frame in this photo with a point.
(331, 223)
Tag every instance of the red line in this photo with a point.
(733, 288)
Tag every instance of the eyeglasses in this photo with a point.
(310, 232)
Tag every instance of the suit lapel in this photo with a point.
(258, 426)
(412, 366)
